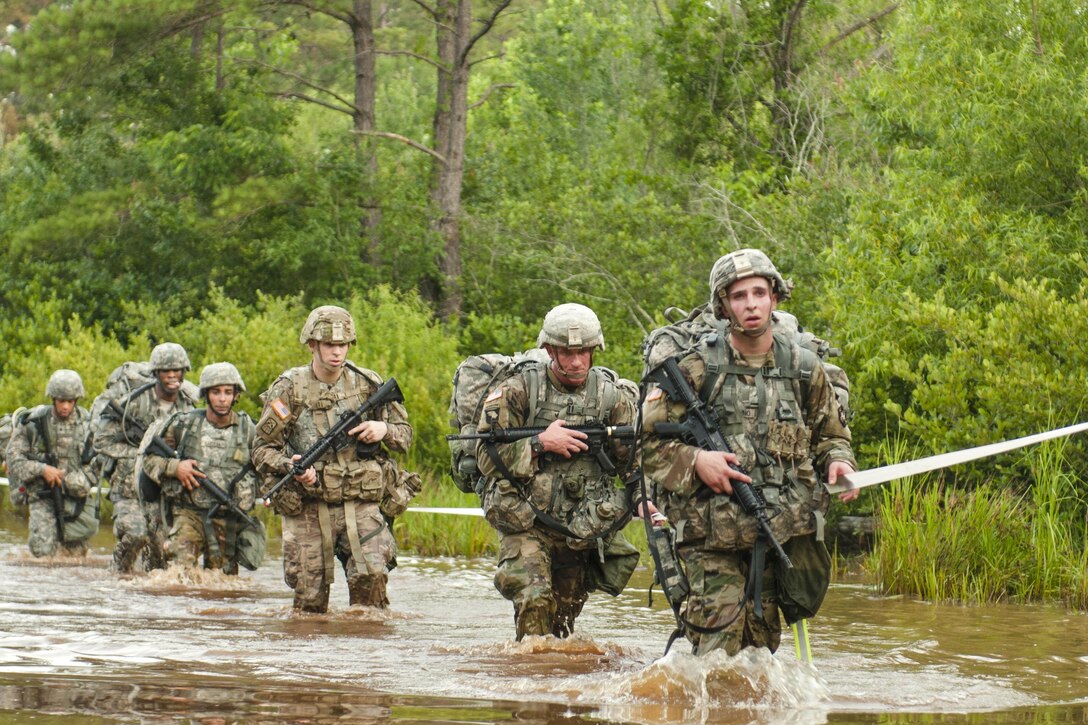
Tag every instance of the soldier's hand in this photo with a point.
(53, 476)
(308, 477)
(188, 474)
(656, 517)
(715, 469)
(370, 431)
(557, 438)
(842, 468)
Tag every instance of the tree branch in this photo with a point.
(426, 8)
(404, 140)
(488, 92)
(487, 25)
(410, 54)
(309, 5)
(306, 82)
(863, 23)
(311, 99)
(487, 58)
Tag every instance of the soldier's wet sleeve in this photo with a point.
(23, 466)
(156, 466)
(399, 437)
(270, 454)
(669, 462)
(506, 407)
(827, 421)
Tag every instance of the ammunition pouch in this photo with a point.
(358, 481)
(288, 500)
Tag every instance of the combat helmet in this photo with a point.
(65, 385)
(220, 373)
(571, 325)
(328, 323)
(742, 264)
(169, 356)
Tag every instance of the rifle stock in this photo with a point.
(337, 438)
(700, 428)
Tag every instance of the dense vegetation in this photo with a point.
(204, 171)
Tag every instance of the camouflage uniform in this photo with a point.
(546, 572)
(785, 430)
(26, 464)
(222, 453)
(343, 516)
(136, 523)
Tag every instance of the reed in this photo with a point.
(987, 544)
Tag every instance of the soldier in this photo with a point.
(48, 457)
(338, 507)
(558, 509)
(120, 427)
(777, 410)
(207, 447)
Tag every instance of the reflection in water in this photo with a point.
(82, 643)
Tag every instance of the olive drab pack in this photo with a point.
(685, 333)
(474, 378)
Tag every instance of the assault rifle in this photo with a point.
(158, 447)
(700, 428)
(337, 438)
(56, 492)
(596, 437)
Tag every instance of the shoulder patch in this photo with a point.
(280, 409)
(493, 395)
(268, 427)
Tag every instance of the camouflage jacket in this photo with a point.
(67, 440)
(577, 492)
(221, 453)
(118, 441)
(299, 409)
(782, 420)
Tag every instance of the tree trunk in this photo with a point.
(362, 35)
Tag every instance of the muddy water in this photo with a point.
(81, 645)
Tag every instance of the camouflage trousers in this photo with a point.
(139, 529)
(322, 533)
(188, 542)
(544, 578)
(43, 539)
(717, 580)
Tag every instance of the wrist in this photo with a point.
(536, 446)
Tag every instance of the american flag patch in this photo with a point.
(495, 395)
(280, 408)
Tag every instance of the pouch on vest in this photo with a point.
(801, 589)
(251, 545)
(400, 493)
(506, 509)
(83, 526)
(149, 490)
(611, 576)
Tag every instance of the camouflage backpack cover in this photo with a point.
(16, 493)
(474, 378)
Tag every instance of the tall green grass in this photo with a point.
(987, 544)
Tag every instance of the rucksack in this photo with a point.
(681, 336)
(8, 423)
(128, 377)
(474, 378)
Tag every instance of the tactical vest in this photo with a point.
(761, 414)
(65, 440)
(317, 407)
(221, 453)
(577, 492)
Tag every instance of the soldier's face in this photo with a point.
(221, 399)
(750, 302)
(330, 355)
(170, 380)
(571, 364)
(63, 408)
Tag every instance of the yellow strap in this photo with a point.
(801, 644)
(325, 523)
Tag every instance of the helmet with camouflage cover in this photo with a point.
(328, 323)
(742, 264)
(220, 373)
(169, 356)
(65, 385)
(571, 325)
